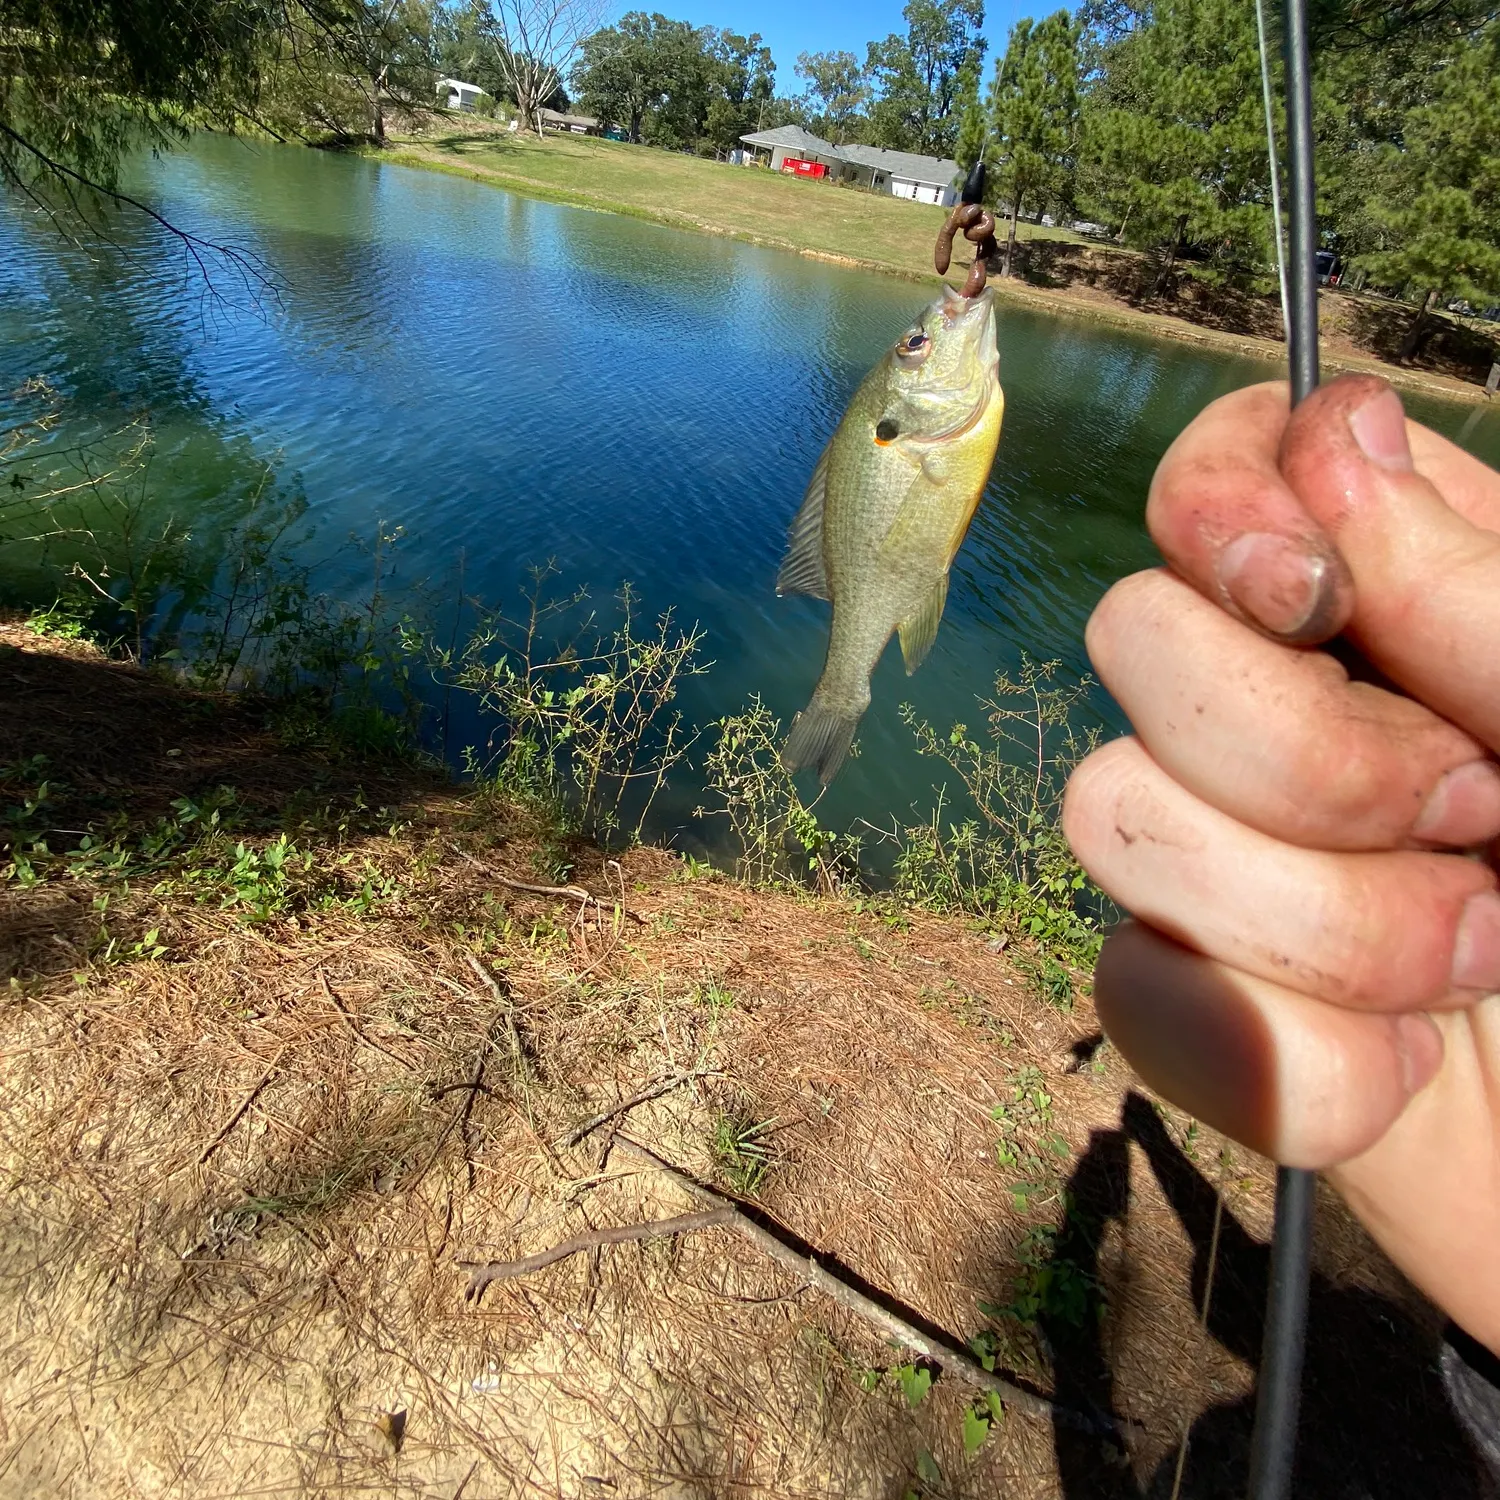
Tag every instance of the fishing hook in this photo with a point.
(978, 225)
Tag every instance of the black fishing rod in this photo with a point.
(1273, 1445)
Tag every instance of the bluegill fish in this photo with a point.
(887, 509)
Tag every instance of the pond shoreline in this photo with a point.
(1061, 303)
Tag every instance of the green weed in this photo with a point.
(588, 730)
(778, 837)
(739, 1149)
(1050, 1284)
(1009, 861)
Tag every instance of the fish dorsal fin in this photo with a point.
(920, 630)
(802, 570)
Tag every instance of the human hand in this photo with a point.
(1315, 967)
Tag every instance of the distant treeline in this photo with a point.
(1144, 117)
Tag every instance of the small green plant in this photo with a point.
(1025, 1141)
(690, 867)
(778, 836)
(1008, 860)
(1050, 1283)
(713, 996)
(1048, 979)
(740, 1151)
(915, 1382)
(985, 1413)
(588, 730)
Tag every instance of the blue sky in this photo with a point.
(793, 26)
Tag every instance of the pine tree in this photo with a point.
(1439, 208)
(1177, 136)
(1029, 127)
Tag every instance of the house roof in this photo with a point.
(554, 117)
(795, 138)
(906, 164)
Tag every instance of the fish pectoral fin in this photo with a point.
(920, 630)
(912, 520)
(802, 569)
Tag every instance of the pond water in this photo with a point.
(512, 381)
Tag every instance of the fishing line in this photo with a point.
(1265, 93)
(1273, 1445)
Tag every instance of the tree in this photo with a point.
(836, 92)
(82, 80)
(1441, 210)
(744, 85)
(1174, 133)
(1031, 120)
(918, 79)
(627, 74)
(537, 42)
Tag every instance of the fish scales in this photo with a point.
(888, 506)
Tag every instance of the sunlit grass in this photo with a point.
(745, 202)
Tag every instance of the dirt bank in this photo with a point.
(279, 1062)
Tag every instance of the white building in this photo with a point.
(902, 174)
(455, 95)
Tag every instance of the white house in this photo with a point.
(902, 174)
(573, 124)
(455, 95)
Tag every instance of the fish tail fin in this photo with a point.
(819, 737)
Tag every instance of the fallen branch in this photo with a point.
(239, 1114)
(955, 1361)
(354, 1026)
(482, 1273)
(650, 1092)
(570, 892)
(507, 1000)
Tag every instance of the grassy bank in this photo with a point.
(295, 1035)
(1061, 272)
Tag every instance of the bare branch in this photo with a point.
(255, 275)
(955, 1361)
(482, 1274)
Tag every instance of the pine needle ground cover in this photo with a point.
(290, 1047)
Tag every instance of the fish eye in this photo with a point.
(886, 430)
(912, 349)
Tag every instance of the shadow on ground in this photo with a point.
(1375, 1424)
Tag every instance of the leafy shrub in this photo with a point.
(1009, 861)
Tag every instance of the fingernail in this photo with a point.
(1476, 947)
(1379, 427)
(1421, 1046)
(1277, 582)
(1463, 808)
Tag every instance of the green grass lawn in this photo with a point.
(745, 202)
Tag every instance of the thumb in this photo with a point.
(1426, 581)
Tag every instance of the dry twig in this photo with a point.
(483, 1273)
(354, 1026)
(650, 1092)
(223, 1132)
(954, 1360)
(571, 892)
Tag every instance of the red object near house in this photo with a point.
(800, 168)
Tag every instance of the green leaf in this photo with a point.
(997, 1411)
(927, 1469)
(869, 1379)
(976, 1429)
(915, 1383)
